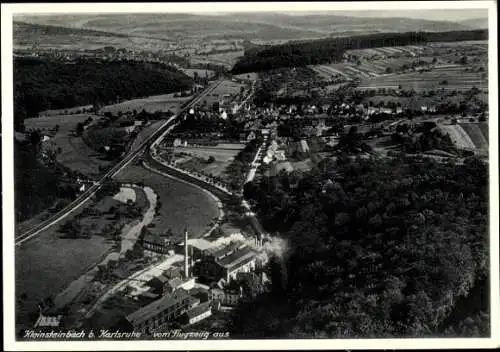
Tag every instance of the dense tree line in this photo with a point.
(24, 30)
(239, 167)
(39, 180)
(377, 248)
(44, 84)
(332, 49)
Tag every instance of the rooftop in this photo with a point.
(156, 239)
(222, 251)
(199, 243)
(198, 310)
(239, 257)
(156, 307)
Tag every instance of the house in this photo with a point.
(251, 136)
(280, 155)
(177, 283)
(158, 313)
(226, 297)
(153, 244)
(198, 313)
(303, 146)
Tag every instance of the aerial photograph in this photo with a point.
(251, 175)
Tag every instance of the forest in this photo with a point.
(332, 49)
(40, 182)
(27, 30)
(377, 248)
(41, 84)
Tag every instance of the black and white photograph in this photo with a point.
(250, 175)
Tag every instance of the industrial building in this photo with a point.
(226, 262)
(157, 314)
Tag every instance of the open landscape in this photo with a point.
(253, 175)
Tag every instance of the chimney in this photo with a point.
(186, 257)
(191, 256)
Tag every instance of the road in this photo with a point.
(85, 196)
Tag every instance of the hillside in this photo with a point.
(331, 50)
(257, 26)
(43, 84)
(476, 23)
(23, 30)
(377, 248)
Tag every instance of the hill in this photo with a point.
(374, 255)
(23, 30)
(42, 84)
(476, 23)
(332, 49)
(257, 26)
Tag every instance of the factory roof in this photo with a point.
(237, 258)
(200, 243)
(222, 251)
(156, 307)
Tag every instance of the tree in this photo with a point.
(35, 138)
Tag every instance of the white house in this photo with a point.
(199, 313)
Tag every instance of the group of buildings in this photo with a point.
(188, 293)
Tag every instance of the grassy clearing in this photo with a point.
(151, 104)
(67, 123)
(98, 138)
(126, 194)
(198, 161)
(201, 73)
(456, 78)
(182, 205)
(459, 137)
(75, 154)
(478, 133)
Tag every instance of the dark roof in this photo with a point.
(237, 258)
(156, 307)
(198, 310)
(156, 239)
(221, 252)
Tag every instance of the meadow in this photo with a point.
(74, 153)
(182, 205)
(164, 102)
(448, 78)
(199, 156)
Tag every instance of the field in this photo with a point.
(78, 109)
(182, 205)
(226, 59)
(48, 263)
(201, 73)
(225, 88)
(98, 138)
(469, 136)
(478, 133)
(253, 76)
(456, 79)
(223, 157)
(164, 102)
(75, 154)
